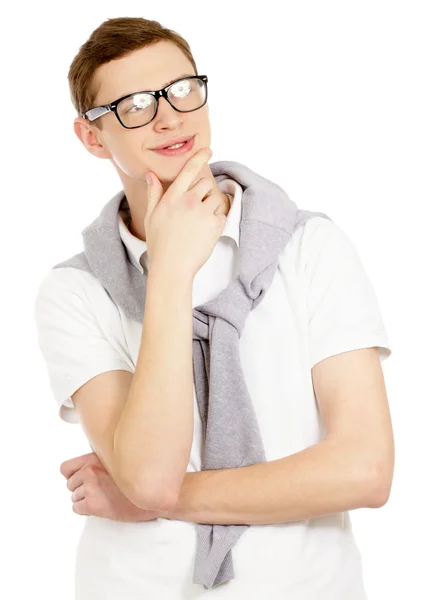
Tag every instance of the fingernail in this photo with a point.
(148, 179)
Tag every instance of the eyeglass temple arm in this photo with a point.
(96, 112)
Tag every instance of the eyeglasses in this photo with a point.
(138, 109)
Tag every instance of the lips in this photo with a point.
(182, 150)
(173, 142)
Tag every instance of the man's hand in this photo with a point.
(96, 493)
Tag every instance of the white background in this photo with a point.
(329, 99)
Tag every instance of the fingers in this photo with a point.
(201, 189)
(154, 191)
(214, 204)
(80, 508)
(69, 467)
(182, 182)
(189, 172)
(78, 494)
(75, 480)
(90, 472)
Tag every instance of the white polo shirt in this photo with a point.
(320, 303)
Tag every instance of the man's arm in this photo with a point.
(350, 468)
(159, 407)
(319, 480)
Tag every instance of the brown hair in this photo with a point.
(113, 39)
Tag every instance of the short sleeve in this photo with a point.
(343, 309)
(71, 341)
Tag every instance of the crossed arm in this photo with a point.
(352, 467)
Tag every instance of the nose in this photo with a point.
(166, 110)
(164, 103)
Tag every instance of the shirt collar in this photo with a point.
(136, 247)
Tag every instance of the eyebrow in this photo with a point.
(169, 83)
(180, 77)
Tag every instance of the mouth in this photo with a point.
(187, 144)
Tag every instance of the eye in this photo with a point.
(181, 88)
(138, 101)
(142, 100)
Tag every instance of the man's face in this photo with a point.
(130, 150)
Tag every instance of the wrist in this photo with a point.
(161, 273)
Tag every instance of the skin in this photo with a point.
(130, 150)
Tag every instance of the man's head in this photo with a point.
(123, 56)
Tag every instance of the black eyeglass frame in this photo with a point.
(98, 111)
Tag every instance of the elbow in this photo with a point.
(146, 496)
(155, 503)
(378, 488)
(145, 491)
(153, 500)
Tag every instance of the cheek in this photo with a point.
(201, 126)
(133, 160)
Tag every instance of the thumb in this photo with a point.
(154, 190)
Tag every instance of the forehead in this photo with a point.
(149, 68)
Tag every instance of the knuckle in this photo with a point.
(91, 470)
(88, 488)
(192, 195)
(190, 199)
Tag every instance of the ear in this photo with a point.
(90, 138)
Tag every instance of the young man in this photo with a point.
(310, 351)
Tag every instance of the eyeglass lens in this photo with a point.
(138, 109)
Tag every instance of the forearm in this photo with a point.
(321, 479)
(152, 442)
